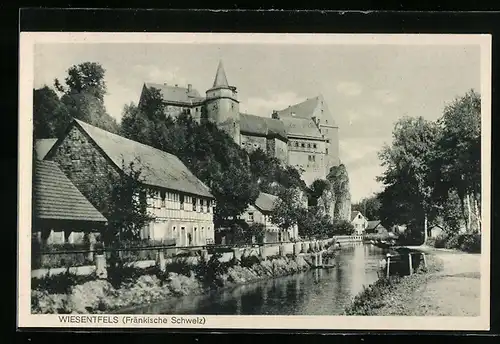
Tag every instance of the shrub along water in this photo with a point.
(467, 242)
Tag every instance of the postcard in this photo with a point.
(254, 181)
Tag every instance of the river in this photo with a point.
(315, 292)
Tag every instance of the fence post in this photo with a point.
(410, 263)
(388, 264)
(425, 260)
(320, 259)
(100, 266)
(160, 260)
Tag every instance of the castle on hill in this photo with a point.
(303, 135)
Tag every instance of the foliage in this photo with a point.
(459, 151)
(408, 162)
(61, 283)
(270, 174)
(257, 232)
(433, 170)
(287, 209)
(127, 210)
(210, 272)
(50, 115)
(249, 261)
(467, 242)
(369, 207)
(83, 95)
(210, 153)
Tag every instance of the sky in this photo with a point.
(366, 87)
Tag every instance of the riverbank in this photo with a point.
(104, 296)
(449, 286)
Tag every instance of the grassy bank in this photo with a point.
(127, 286)
(391, 296)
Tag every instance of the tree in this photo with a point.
(83, 95)
(408, 162)
(287, 209)
(316, 190)
(460, 154)
(369, 207)
(127, 212)
(50, 116)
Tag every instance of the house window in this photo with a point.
(303, 145)
(162, 196)
(194, 204)
(208, 206)
(296, 144)
(250, 217)
(314, 145)
(313, 158)
(326, 150)
(182, 202)
(359, 216)
(308, 145)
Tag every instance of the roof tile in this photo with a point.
(158, 168)
(56, 198)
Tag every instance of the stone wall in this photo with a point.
(84, 165)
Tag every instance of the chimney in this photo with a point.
(190, 87)
(275, 115)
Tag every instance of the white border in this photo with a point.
(26, 53)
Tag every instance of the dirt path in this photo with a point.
(453, 291)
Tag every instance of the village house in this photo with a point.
(61, 213)
(303, 135)
(181, 204)
(375, 227)
(435, 230)
(359, 222)
(260, 212)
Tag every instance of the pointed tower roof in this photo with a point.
(220, 77)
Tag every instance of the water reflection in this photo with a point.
(316, 292)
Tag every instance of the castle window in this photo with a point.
(296, 144)
(313, 157)
(326, 151)
(327, 141)
(181, 198)
(308, 145)
(303, 145)
(314, 145)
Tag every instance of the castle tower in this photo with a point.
(222, 105)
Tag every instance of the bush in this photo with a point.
(210, 272)
(249, 261)
(471, 243)
(440, 241)
(61, 283)
(120, 274)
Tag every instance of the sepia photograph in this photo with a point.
(214, 180)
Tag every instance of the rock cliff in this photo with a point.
(336, 198)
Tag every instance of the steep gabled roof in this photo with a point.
(265, 202)
(158, 168)
(55, 197)
(176, 94)
(264, 126)
(354, 214)
(301, 127)
(42, 147)
(304, 109)
(373, 224)
(220, 77)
